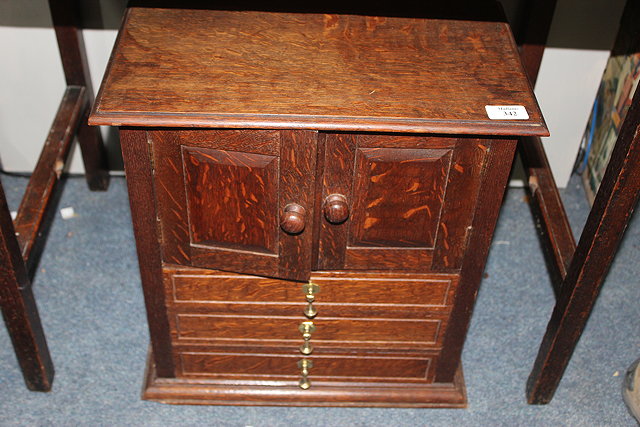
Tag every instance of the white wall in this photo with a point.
(31, 79)
(31, 87)
(581, 35)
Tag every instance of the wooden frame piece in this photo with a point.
(552, 224)
(137, 164)
(19, 308)
(21, 240)
(494, 184)
(607, 221)
(548, 211)
(30, 218)
(66, 21)
(578, 272)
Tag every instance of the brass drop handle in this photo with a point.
(310, 290)
(304, 365)
(335, 208)
(293, 219)
(306, 328)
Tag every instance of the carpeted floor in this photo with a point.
(90, 301)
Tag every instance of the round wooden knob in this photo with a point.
(335, 208)
(293, 219)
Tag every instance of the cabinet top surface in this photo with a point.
(204, 68)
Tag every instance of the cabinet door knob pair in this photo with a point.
(335, 209)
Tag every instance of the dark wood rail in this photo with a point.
(551, 219)
(29, 220)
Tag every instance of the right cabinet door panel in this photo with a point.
(409, 201)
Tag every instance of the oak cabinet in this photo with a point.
(313, 198)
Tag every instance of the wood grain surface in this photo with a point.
(463, 191)
(359, 367)
(142, 201)
(221, 194)
(198, 286)
(281, 96)
(417, 179)
(30, 223)
(19, 308)
(493, 183)
(411, 200)
(203, 68)
(231, 198)
(245, 330)
(343, 294)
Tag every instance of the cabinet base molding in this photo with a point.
(199, 391)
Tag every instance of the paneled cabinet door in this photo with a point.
(236, 200)
(397, 202)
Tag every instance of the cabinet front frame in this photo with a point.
(140, 167)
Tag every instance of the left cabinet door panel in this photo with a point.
(222, 194)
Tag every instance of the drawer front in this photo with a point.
(335, 367)
(191, 290)
(340, 332)
(394, 311)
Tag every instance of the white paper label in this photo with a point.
(67, 213)
(506, 112)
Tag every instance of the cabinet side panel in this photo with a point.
(493, 184)
(137, 163)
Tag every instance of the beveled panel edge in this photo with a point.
(322, 123)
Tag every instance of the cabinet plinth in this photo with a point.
(313, 198)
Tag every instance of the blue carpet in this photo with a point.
(90, 300)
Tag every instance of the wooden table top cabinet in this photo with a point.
(313, 198)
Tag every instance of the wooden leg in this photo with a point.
(533, 34)
(93, 155)
(552, 224)
(65, 15)
(19, 309)
(608, 219)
